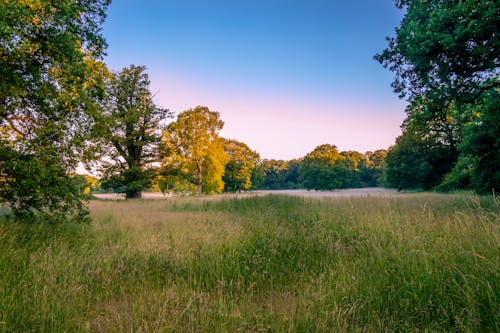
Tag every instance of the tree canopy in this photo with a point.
(128, 130)
(239, 169)
(445, 50)
(192, 149)
(445, 57)
(325, 168)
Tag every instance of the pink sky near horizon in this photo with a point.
(279, 125)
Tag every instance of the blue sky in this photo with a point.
(285, 76)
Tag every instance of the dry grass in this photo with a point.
(148, 226)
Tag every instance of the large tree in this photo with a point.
(128, 130)
(193, 149)
(47, 54)
(239, 169)
(445, 57)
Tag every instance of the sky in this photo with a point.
(285, 75)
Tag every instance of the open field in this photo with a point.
(356, 192)
(369, 263)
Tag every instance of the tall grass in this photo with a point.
(404, 263)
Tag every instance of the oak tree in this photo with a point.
(193, 149)
(128, 130)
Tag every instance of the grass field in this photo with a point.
(416, 262)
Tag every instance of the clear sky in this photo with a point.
(285, 75)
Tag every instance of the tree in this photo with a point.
(47, 52)
(275, 174)
(355, 161)
(372, 168)
(293, 174)
(258, 176)
(325, 169)
(445, 57)
(477, 165)
(128, 131)
(239, 169)
(421, 157)
(192, 148)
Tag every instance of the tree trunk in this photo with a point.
(133, 194)
(200, 179)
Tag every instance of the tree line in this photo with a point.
(60, 105)
(192, 157)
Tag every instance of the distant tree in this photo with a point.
(325, 168)
(293, 174)
(47, 86)
(239, 169)
(355, 162)
(128, 130)
(321, 171)
(445, 57)
(192, 148)
(275, 174)
(377, 158)
(258, 176)
(372, 168)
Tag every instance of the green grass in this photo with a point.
(405, 263)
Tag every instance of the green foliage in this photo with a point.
(192, 149)
(445, 50)
(44, 46)
(47, 53)
(258, 176)
(277, 174)
(131, 181)
(323, 169)
(47, 194)
(416, 161)
(481, 142)
(445, 57)
(127, 131)
(371, 169)
(239, 170)
(326, 169)
(477, 166)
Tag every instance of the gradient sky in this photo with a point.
(285, 75)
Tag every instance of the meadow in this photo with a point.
(411, 262)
